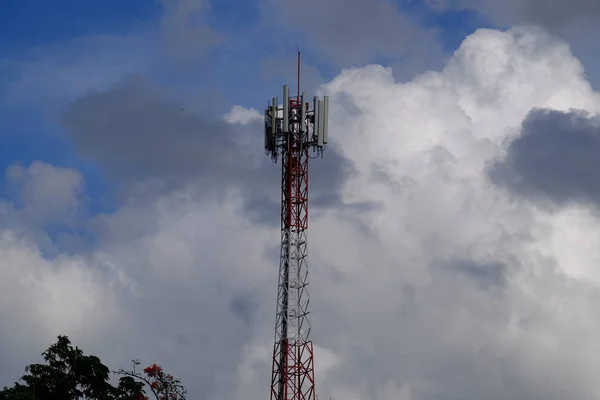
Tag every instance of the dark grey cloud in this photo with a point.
(244, 307)
(185, 30)
(487, 275)
(551, 14)
(558, 13)
(555, 158)
(345, 33)
(144, 140)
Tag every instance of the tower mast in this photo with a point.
(292, 131)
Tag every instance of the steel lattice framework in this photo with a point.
(291, 131)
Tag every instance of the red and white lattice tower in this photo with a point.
(294, 131)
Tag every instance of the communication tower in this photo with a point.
(294, 132)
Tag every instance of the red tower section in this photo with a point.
(292, 132)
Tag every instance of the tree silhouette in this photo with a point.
(162, 385)
(70, 375)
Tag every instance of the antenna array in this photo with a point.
(295, 116)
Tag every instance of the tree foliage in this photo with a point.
(162, 385)
(68, 374)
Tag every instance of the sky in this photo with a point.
(454, 217)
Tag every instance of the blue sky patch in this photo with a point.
(25, 23)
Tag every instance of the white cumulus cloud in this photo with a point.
(443, 286)
(242, 116)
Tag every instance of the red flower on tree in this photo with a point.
(162, 385)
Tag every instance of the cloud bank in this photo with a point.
(551, 14)
(443, 283)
